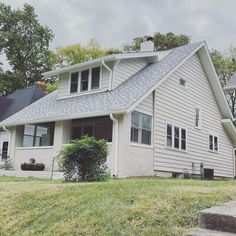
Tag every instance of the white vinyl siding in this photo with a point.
(177, 105)
(135, 159)
(127, 68)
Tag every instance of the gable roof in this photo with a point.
(120, 100)
(16, 101)
(231, 85)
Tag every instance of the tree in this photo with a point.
(25, 43)
(161, 42)
(225, 67)
(9, 82)
(77, 53)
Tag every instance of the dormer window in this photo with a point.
(95, 78)
(74, 82)
(85, 80)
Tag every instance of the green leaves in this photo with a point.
(84, 160)
(77, 53)
(25, 43)
(161, 42)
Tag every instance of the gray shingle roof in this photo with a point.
(117, 100)
(231, 83)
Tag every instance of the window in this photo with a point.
(182, 82)
(95, 78)
(38, 135)
(79, 131)
(176, 137)
(88, 80)
(74, 82)
(213, 143)
(197, 117)
(84, 80)
(141, 128)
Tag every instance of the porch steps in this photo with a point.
(218, 220)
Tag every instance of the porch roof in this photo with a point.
(119, 100)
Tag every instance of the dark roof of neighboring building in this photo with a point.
(18, 100)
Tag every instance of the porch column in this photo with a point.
(62, 135)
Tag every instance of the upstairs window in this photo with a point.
(213, 143)
(95, 78)
(38, 135)
(74, 82)
(176, 137)
(197, 117)
(84, 80)
(141, 128)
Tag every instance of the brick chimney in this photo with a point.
(41, 85)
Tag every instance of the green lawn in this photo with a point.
(117, 207)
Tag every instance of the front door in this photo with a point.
(4, 150)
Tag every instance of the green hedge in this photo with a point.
(84, 160)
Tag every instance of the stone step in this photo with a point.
(207, 232)
(220, 218)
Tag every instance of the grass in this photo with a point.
(117, 207)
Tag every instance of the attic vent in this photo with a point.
(182, 82)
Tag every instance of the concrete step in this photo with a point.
(220, 218)
(207, 232)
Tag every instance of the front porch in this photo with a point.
(44, 141)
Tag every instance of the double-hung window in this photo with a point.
(213, 143)
(176, 137)
(95, 81)
(85, 80)
(38, 135)
(141, 128)
(74, 82)
(84, 83)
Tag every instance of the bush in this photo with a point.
(33, 166)
(8, 165)
(84, 159)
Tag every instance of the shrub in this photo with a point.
(32, 160)
(84, 159)
(33, 166)
(8, 165)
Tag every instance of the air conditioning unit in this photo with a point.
(208, 173)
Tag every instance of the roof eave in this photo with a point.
(98, 61)
(61, 118)
(230, 129)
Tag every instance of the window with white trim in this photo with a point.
(176, 137)
(85, 80)
(197, 117)
(213, 143)
(141, 128)
(74, 80)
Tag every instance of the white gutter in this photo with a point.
(5, 129)
(116, 150)
(110, 70)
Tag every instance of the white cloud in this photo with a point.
(114, 22)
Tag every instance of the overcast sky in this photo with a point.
(114, 22)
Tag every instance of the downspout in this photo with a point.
(110, 70)
(116, 148)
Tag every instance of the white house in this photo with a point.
(162, 113)
(11, 104)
